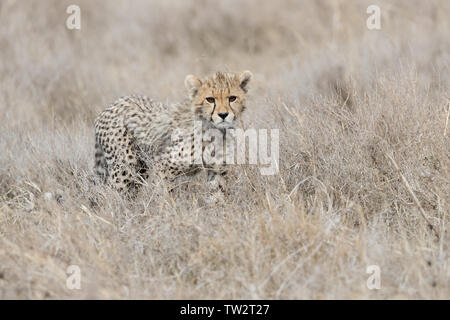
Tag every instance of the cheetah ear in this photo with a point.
(192, 84)
(244, 79)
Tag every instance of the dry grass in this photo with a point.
(364, 151)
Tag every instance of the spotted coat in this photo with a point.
(136, 134)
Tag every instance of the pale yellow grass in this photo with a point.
(364, 151)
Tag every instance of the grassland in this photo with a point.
(364, 151)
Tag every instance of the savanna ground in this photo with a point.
(364, 151)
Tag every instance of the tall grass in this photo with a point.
(364, 161)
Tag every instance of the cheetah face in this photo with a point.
(219, 99)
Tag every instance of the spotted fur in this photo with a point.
(136, 133)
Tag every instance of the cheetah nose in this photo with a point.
(223, 115)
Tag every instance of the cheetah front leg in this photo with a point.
(216, 180)
(216, 183)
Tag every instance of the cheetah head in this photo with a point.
(219, 99)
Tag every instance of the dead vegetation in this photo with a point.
(364, 152)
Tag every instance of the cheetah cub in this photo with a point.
(136, 134)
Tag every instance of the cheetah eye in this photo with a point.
(210, 99)
(232, 98)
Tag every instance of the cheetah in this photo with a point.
(136, 133)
